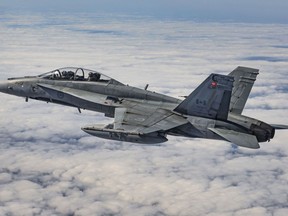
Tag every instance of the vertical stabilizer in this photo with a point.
(244, 79)
(209, 100)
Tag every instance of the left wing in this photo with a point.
(135, 120)
(139, 123)
(146, 119)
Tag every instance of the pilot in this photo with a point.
(56, 75)
(68, 75)
(64, 74)
(93, 76)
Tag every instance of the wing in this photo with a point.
(135, 120)
(138, 122)
(146, 118)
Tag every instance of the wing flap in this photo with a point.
(240, 139)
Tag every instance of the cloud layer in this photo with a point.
(48, 166)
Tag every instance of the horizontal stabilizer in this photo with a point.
(240, 139)
(279, 126)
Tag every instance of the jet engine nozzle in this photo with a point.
(264, 132)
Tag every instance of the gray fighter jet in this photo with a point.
(213, 110)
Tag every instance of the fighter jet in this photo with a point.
(212, 111)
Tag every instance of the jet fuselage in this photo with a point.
(107, 95)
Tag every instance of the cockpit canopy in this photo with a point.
(78, 74)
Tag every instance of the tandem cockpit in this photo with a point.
(78, 74)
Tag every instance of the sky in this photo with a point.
(264, 11)
(48, 166)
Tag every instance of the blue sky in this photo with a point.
(264, 11)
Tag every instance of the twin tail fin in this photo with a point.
(209, 100)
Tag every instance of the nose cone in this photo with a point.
(3, 86)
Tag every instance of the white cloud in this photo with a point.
(49, 166)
